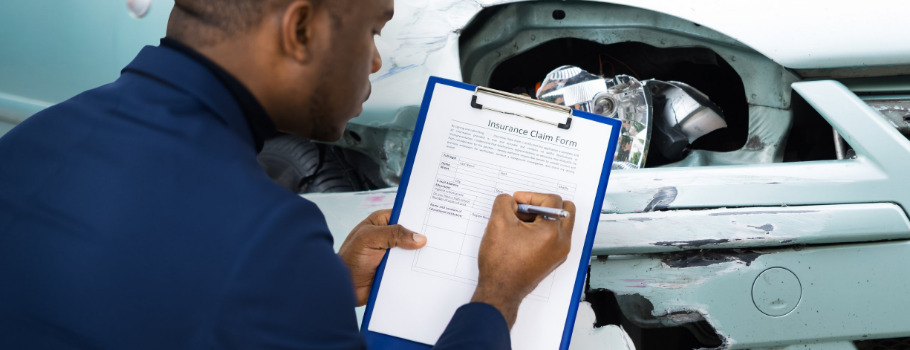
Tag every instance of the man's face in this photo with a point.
(344, 66)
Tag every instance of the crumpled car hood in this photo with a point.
(799, 34)
(422, 40)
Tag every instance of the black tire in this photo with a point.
(303, 166)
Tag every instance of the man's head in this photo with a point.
(307, 61)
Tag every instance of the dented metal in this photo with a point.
(815, 219)
(848, 292)
(518, 28)
(671, 231)
(698, 265)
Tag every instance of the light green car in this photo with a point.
(786, 230)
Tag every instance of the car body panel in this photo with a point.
(748, 227)
(803, 34)
(521, 27)
(850, 291)
(809, 34)
(847, 292)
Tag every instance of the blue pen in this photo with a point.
(547, 213)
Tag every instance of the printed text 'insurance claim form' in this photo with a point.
(466, 157)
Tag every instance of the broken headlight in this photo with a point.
(666, 115)
(684, 113)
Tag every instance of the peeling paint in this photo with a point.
(764, 212)
(662, 199)
(641, 312)
(754, 143)
(663, 301)
(721, 292)
(748, 228)
(727, 341)
(689, 244)
(707, 258)
(683, 317)
(765, 227)
(428, 27)
(666, 277)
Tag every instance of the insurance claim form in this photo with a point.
(465, 158)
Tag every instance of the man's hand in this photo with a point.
(520, 250)
(363, 249)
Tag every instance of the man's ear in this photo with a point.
(297, 30)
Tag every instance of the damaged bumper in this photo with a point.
(837, 228)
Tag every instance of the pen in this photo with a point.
(547, 213)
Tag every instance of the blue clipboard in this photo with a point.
(379, 341)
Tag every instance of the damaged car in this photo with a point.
(757, 201)
(759, 198)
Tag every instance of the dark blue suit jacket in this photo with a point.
(135, 216)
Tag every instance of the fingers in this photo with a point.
(539, 199)
(376, 233)
(526, 217)
(508, 206)
(504, 206)
(379, 217)
(385, 237)
(566, 225)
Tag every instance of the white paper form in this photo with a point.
(465, 158)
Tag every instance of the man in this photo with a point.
(135, 215)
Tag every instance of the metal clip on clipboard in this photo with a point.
(519, 98)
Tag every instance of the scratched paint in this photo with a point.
(671, 231)
(792, 192)
(766, 227)
(662, 283)
(419, 26)
(665, 277)
(691, 244)
(423, 41)
(721, 292)
(678, 230)
(697, 258)
(667, 288)
(427, 27)
(754, 143)
(662, 199)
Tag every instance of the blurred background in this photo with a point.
(53, 50)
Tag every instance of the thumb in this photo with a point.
(397, 236)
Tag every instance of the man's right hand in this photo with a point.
(519, 250)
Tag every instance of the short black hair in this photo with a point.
(205, 22)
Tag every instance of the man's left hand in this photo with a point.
(364, 248)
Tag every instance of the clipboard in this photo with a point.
(379, 341)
